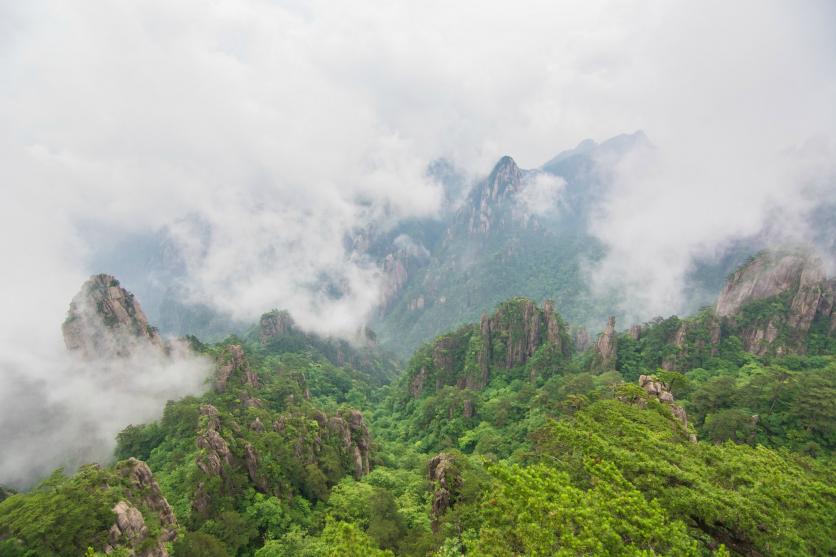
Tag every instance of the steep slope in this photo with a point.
(105, 320)
(777, 303)
(518, 232)
(120, 509)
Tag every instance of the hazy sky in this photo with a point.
(282, 125)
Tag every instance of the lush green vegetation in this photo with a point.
(520, 446)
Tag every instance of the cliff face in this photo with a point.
(129, 529)
(774, 300)
(777, 303)
(487, 197)
(606, 346)
(507, 339)
(105, 320)
(233, 365)
(272, 450)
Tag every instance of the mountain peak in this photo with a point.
(106, 320)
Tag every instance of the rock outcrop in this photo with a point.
(447, 482)
(273, 324)
(606, 346)
(233, 365)
(801, 295)
(351, 428)
(105, 320)
(129, 530)
(503, 182)
(506, 339)
(662, 393)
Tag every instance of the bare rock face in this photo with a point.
(214, 458)
(523, 328)
(129, 530)
(504, 340)
(105, 320)
(395, 276)
(606, 345)
(763, 277)
(350, 428)
(273, 324)
(635, 332)
(800, 279)
(216, 454)
(234, 365)
(503, 182)
(658, 389)
(446, 478)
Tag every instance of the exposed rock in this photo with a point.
(129, 530)
(797, 278)
(763, 277)
(105, 320)
(581, 339)
(356, 441)
(524, 328)
(216, 454)
(672, 362)
(146, 487)
(395, 275)
(257, 426)
(636, 332)
(658, 389)
(274, 323)
(447, 481)
(502, 183)
(233, 364)
(504, 340)
(606, 345)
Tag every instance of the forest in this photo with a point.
(504, 437)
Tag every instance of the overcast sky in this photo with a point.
(283, 125)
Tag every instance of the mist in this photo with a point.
(260, 134)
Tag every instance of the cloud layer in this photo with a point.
(261, 133)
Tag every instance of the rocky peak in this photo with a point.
(105, 320)
(233, 364)
(503, 182)
(606, 345)
(443, 472)
(506, 339)
(274, 323)
(765, 276)
(129, 529)
(796, 280)
(659, 390)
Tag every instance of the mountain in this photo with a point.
(105, 320)
(513, 232)
(518, 232)
(515, 434)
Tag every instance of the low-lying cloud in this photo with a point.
(261, 133)
(61, 410)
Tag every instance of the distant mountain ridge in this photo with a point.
(516, 232)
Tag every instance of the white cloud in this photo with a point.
(540, 193)
(280, 126)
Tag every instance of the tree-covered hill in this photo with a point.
(707, 435)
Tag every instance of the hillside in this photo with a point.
(512, 435)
